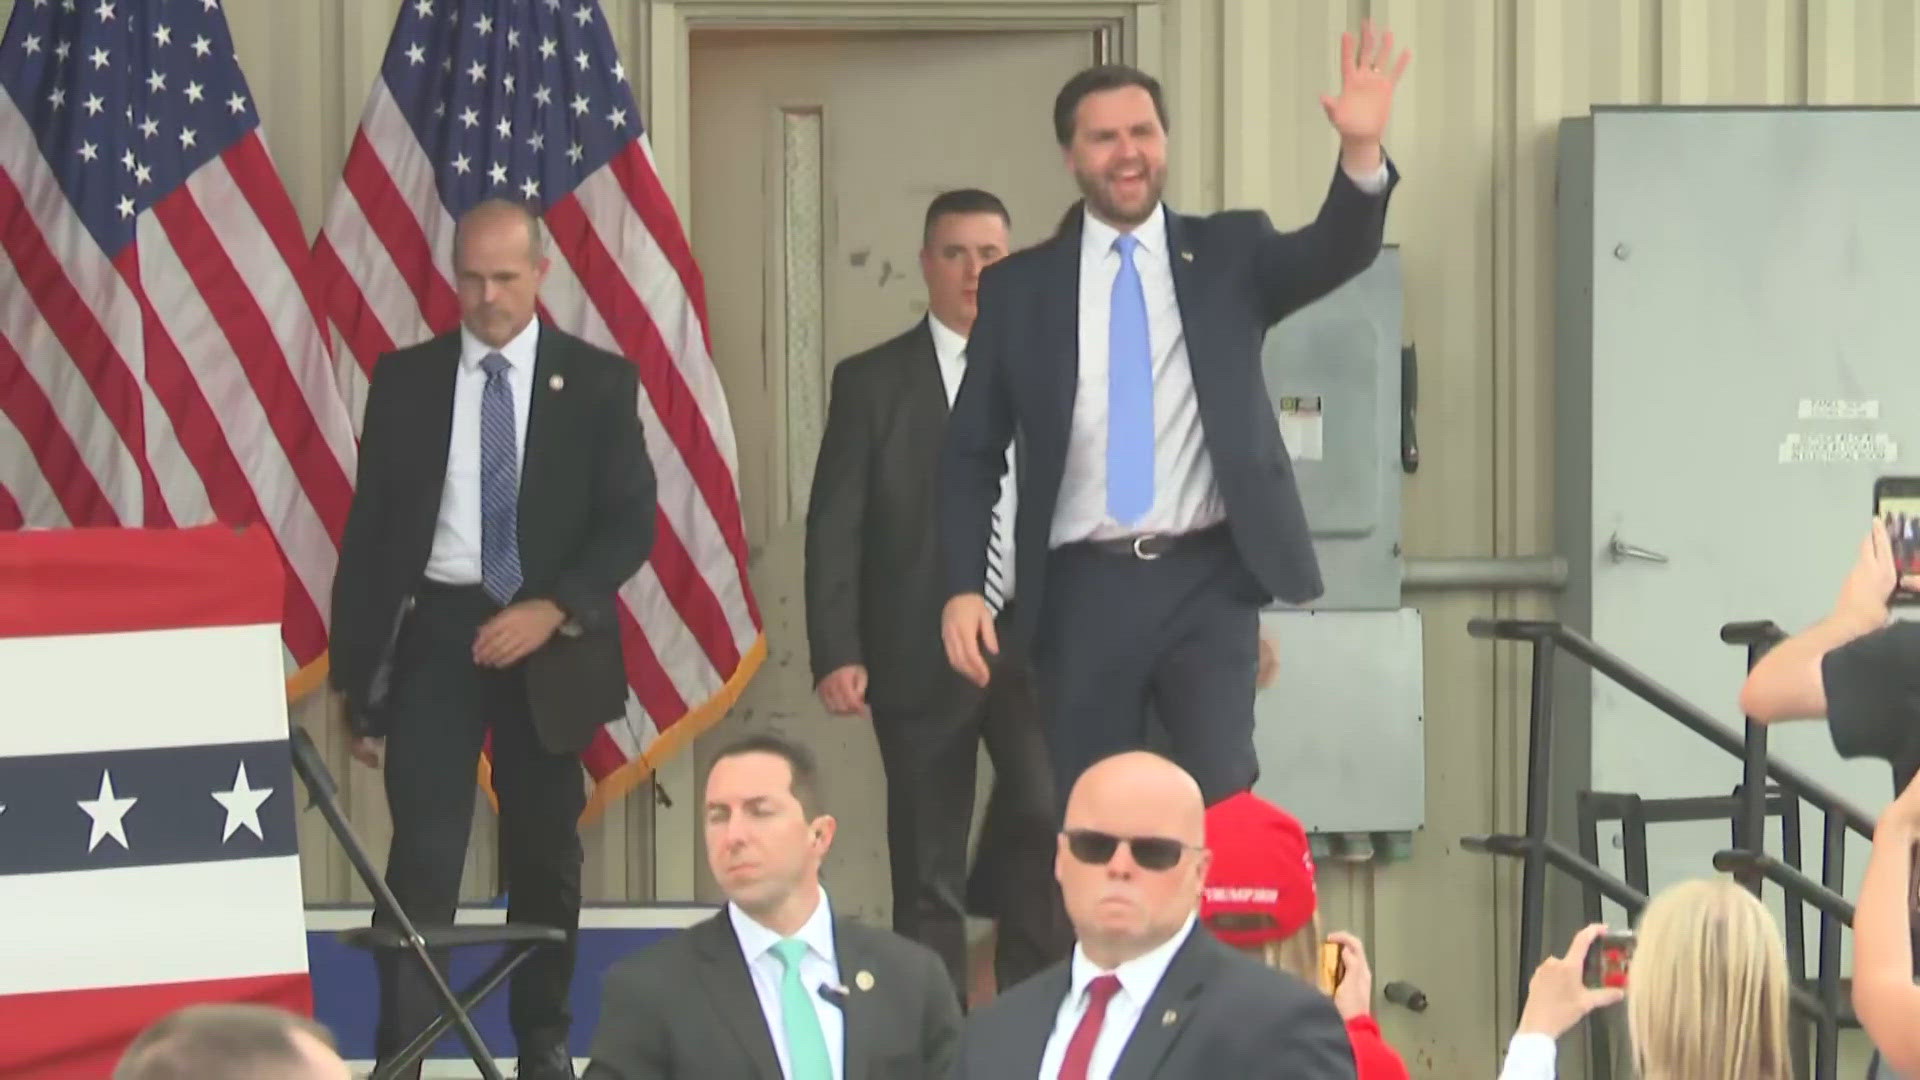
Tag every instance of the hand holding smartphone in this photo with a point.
(1608, 960)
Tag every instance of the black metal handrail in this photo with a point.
(1747, 861)
(1791, 881)
(1690, 716)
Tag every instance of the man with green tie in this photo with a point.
(774, 987)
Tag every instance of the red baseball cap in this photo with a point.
(1261, 866)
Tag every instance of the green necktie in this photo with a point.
(806, 1044)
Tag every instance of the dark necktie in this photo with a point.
(499, 484)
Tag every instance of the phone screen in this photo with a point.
(1608, 959)
(1900, 513)
(1333, 967)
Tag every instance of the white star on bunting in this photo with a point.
(242, 804)
(108, 813)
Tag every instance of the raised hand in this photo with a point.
(1367, 78)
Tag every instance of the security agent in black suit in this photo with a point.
(1149, 994)
(875, 588)
(1158, 509)
(504, 496)
(713, 1001)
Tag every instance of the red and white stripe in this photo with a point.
(160, 639)
(185, 382)
(692, 631)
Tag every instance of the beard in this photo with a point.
(1097, 188)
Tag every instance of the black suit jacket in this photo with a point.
(1216, 1013)
(586, 525)
(875, 583)
(685, 1009)
(1234, 276)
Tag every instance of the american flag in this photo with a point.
(162, 360)
(527, 99)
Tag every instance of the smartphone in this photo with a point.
(1608, 960)
(1333, 967)
(1896, 503)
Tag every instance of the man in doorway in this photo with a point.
(1158, 507)
(875, 588)
(774, 987)
(504, 497)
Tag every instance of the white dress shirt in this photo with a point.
(950, 348)
(456, 539)
(819, 966)
(1185, 498)
(1138, 979)
(1529, 1057)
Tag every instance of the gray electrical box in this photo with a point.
(1333, 369)
(1345, 714)
(1345, 717)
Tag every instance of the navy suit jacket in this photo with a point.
(1215, 1013)
(1234, 276)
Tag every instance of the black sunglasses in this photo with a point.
(1149, 852)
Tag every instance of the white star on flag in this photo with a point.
(243, 805)
(108, 813)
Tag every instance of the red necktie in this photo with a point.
(1080, 1047)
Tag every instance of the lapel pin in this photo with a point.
(864, 980)
(557, 382)
(1187, 255)
(1167, 1018)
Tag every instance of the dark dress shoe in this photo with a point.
(546, 1063)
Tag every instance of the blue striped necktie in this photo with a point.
(499, 484)
(1129, 394)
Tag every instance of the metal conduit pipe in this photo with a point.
(1470, 573)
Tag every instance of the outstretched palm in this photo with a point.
(1359, 114)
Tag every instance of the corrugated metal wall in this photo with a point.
(1473, 133)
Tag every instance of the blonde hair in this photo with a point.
(1297, 954)
(1707, 997)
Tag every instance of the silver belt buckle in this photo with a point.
(1140, 552)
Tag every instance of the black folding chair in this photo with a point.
(518, 940)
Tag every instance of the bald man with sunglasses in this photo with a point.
(1148, 993)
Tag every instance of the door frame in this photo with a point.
(1129, 31)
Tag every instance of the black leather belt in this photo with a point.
(1148, 546)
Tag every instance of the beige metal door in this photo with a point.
(814, 157)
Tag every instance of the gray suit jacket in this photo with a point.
(685, 1009)
(1215, 1013)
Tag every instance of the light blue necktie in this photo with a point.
(806, 1043)
(1129, 394)
(499, 484)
